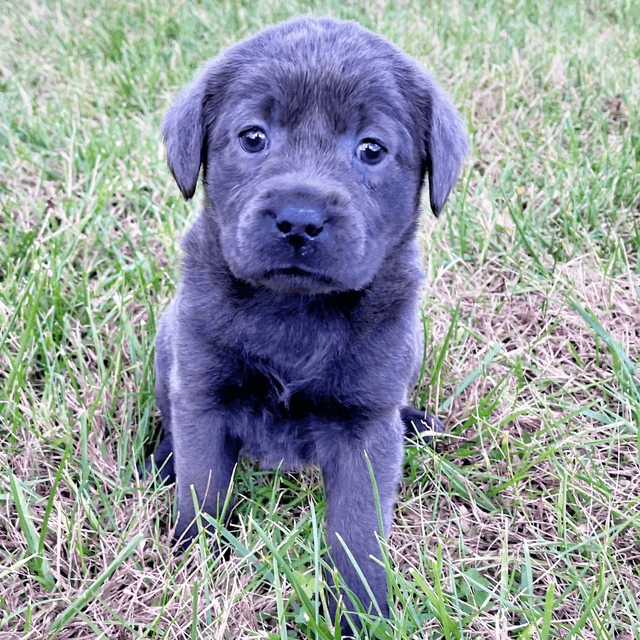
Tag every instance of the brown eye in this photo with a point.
(370, 152)
(254, 140)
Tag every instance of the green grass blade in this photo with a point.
(39, 562)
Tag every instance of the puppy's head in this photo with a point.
(314, 138)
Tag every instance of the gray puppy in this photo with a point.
(294, 335)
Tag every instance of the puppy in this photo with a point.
(294, 334)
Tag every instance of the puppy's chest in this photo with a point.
(288, 347)
(285, 380)
(260, 386)
(279, 422)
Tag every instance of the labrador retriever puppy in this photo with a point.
(294, 335)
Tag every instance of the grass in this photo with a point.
(526, 521)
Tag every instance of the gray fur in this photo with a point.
(294, 334)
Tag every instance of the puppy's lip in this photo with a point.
(296, 280)
(296, 271)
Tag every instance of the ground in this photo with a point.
(523, 523)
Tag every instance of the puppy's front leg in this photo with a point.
(352, 513)
(204, 458)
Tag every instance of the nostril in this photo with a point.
(312, 230)
(297, 222)
(284, 226)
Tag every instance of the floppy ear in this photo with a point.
(446, 146)
(183, 132)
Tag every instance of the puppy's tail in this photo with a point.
(418, 422)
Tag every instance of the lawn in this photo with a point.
(525, 520)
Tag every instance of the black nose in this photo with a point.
(299, 224)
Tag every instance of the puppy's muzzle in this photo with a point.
(300, 235)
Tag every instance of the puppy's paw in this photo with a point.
(159, 465)
(161, 471)
(420, 423)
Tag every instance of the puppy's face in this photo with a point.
(312, 181)
(315, 137)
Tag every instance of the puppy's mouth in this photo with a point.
(296, 280)
(296, 271)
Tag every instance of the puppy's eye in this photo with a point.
(254, 140)
(370, 152)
